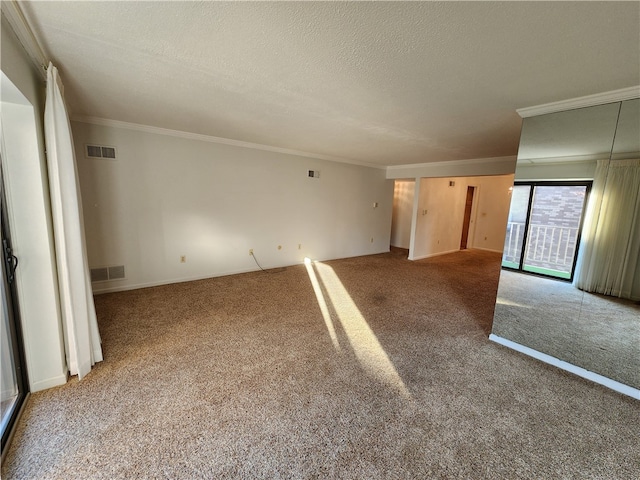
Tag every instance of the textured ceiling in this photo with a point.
(381, 83)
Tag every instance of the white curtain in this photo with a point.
(609, 261)
(82, 339)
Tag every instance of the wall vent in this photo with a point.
(116, 272)
(314, 174)
(99, 274)
(103, 274)
(100, 151)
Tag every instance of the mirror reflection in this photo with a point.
(570, 283)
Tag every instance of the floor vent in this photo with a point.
(100, 151)
(103, 274)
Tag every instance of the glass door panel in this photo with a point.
(8, 377)
(13, 377)
(514, 240)
(554, 229)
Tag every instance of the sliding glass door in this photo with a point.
(543, 231)
(13, 379)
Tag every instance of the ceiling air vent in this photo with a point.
(100, 151)
(103, 274)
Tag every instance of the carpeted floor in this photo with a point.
(598, 333)
(370, 367)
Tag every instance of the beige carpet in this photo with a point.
(390, 375)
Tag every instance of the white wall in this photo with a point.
(29, 215)
(441, 209)
(166, 196)
(556, 171)
(455, 168)
(402, 213)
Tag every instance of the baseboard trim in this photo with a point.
(48, 383)
(581, 372)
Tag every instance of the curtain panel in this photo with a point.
(82, 339)
(609, 260)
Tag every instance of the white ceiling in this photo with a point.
(381, 83)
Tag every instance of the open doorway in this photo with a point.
(401, 219)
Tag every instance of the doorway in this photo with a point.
(466, 222)
(401, 218)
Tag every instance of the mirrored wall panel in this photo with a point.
(597, 326)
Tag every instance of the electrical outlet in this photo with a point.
(251, 251)
(183, 259)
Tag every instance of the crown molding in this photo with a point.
(211, 139)
(581, 102)
(17, 21)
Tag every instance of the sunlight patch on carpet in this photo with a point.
(504, 301)
(362, 339)
(322, 303)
